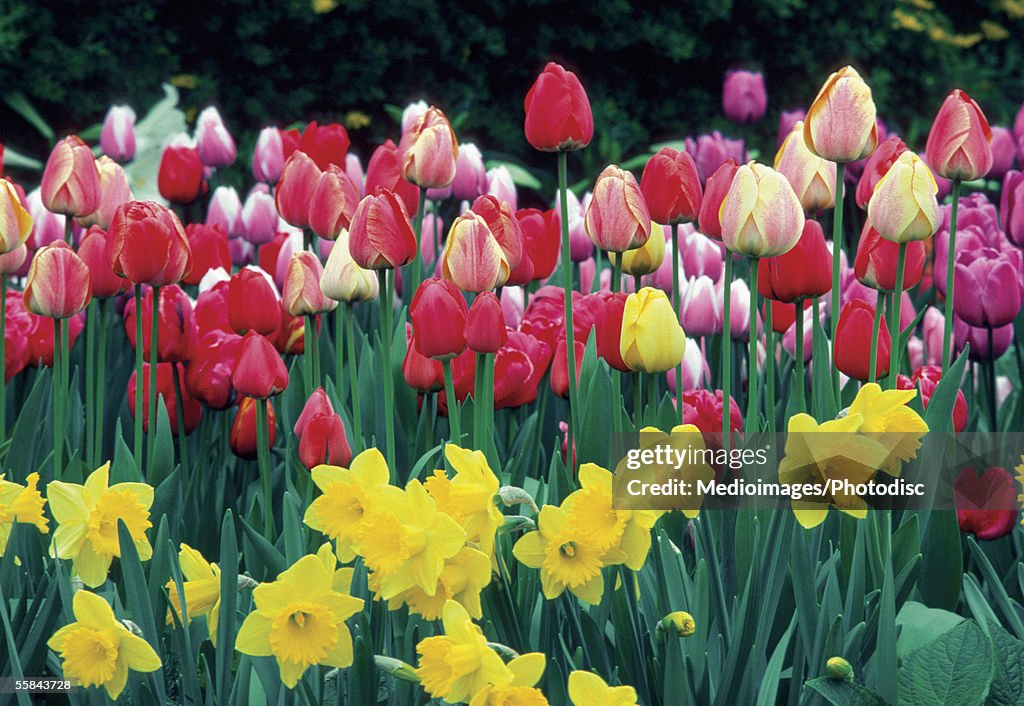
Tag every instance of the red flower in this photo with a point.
(438, 314)
(147, 245)
(609, 331)
(385, 171)
(485, 325)
(191, 409)
(380, 235)
(296, 188)
(783, 315)
(986, 504)
(804, 271)
(853, 341)
(93, 251)
(252, 302)
(259, 371)
(209, 245)
(875, 264)
(541, 231)
(671, 186)
(876, 166)
(420, 372)
(325, 144)
(323, 441)
(703, 409)
(558, 116)
(960, 141)
(560, 367)
(243, 429)
(715, 190)
(208, 374)
(333, 203)
(518, 369)
(926, 379)
(180, 178)
(175, 324)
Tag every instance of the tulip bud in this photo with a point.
(839, 669)
(302, 295)
(671, 187)
(420, 372)
(609, 331)
(701, 256)
(472, 258)
(253, 302)
(209, 246)
(180, 178)
(502, 186)
(296, 188)
(485, 325)
(470, 173)
(876, 261)
(761, 215)
(58, 285)
(345, 281)
(430, 150)
(503, 225)
(743, 96)
(268, 156)
(259, 371)
(652, 340)
(334, 201)
(617, 218)
(165, 388)
(840, 124)
(993, 278)
(147, 244)
(876, 167)
(645, 259)
(243, 429)
(904, 206)
(114, 191)
(71, 181)
(541, 245)
(558, 116)
(325, 144)
(380, 234)
(317, 403)
(411, 113)
(15, 221)
(438, 314)
(709, 219)
(853, 342)
(323, 441)
(216, 148)
(960, 142)
(812, 178)
(259, 218)
(225, 210)
(385, 171)
(802, 273)
(117, 137)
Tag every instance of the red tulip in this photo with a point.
(209, 245)
(876, 261)
(385, 171)
(334, 201)
(191, 409)
(175, 324)
(715, 190)
(703, 409)
(464, 377)
(560, 367)
(253, 303)
(259, 371)
(438, 314)
(671, 187)
(291, 335)
(485, 325)
(381, 235)
(325, 144)
(876, 166)
(519, 368)
(804, 271)
(558, 116)
(609, 331)
(853, 342)
(541, 231)
(986, 503)
(925, 379)
(58, 285)
(323, 441)
(960, 142)
(420, 372)
(208, 374)
(71, 180)
(243, 429)
(296, 188)
(180, 178)
(147, 245)
(211, 310)
(504, 226)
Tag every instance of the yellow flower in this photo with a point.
(87, 517)
(588, 689)
(761, 215)
(826, 452)
(300, 620)
(645, 259)
(468, 498)
(406, 541)
(566, 556)
(1020, 481)
(20, 503)
(456, 666)
(347, 494)
(97, 649)
(652, 340)
(202, 590)
(889, 421)
(680, 622)
(903, 206)
(813, 179)
(526, 672)
(462, 578)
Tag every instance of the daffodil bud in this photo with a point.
(839, 669)
(680, 622)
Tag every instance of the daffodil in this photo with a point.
(468, 497)
(201, 587)
(521, 691)
(458, 665)
(87, 517)
(1019, 470)
(566, 556)
(300, 620)
(888, 420)
(347, 494)
(97, 649)
(462, 578)
(820, 453)
(406, 541)
(588, 689)
(20, 503)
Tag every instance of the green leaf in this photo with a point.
(226, 619)
(14, 158)
(520, 175)
(954, 669)
(920, 625)
(1008, 679)
(939, 415)
(20, 105)
(844, 693)
(163, 453)
(138, 600)
(825, 406)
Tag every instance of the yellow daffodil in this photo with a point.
(87, 517)
(201, 587)
(588, 689)
(458, 665)
(97, 649)
(300, 620)
(468, 498)
(566, 556)
(1020, 481)
(20, 503)
(406, 541)
(342, 581)
(347, 492)
(462, 578)
(820, 453)
(888, 420)
(521, 691)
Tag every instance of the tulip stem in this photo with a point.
(770, 345)
(894, 328)
(616, 271)
(353, 376)
(837, 249)
(387, 290)
(675, 307)
(478, 401)
(875, 326)
(726, 351)
(993, 406)
(801, 399)
(307, 356)
(454, 425)
(636, 283)
(90, 382)
(3, 358)
(100, 382)
(58, 398)
(179, 410)
(153, 358)
(315, 340)
(595, 284)
(570, 349)
(752, 383)
(638, 401)
(139, 375)
(263, 460)
(947, 332)
(652, 396)
(417, 260)
(339, 350)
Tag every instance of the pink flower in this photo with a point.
(743, 96)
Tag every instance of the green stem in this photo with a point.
(563, 191)
(837, 248)
(315, 339)
(307, 355)
(353, 380)
(636, 283)
(479, 375)
(179, 409)
(263, 459)
(3, 358)
(675, 307)
(90, 381)
(489, 397)
(101, 375)
(875, 326)
(454, 424)
(752, 384)
(139, 376)
(595, 284)
(726, 351)
(894, 329)
(339, 352)
(799, 362)
(993, 406)
(947, 329)
(307, 239)
(616, 271)
(638, 401)
(154, 322)
(769, 337)
(58, 398)
(387, 290)
(417, 261)
(652, 396)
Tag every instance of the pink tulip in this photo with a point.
(617, 218)
(700, 307)
(268, 156)
(709, 152)
(470, 173)
(787, 119)
(960, 142)
(995, 280)
(259, 217)
(71, 180)
(354, 170)
(216, 147)
(1004, 152)
(412, 113)
(47, 226)
(1011, 207)
(743, 96)
(114, 191)
(117, 137)
(501, 185)
(695, 369)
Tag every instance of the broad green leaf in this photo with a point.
(1008, 679)
(920, 625)
(844, 693)
(954, 669)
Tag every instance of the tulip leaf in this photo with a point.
(939, 415)
(123, 468)
(825, 405)
(26, 436)
(262, 554)
(520, 175)
(136, 590)
(163, 454)
(226, 618)
(14, 158)
(17, 102)
(954, 669)
(1010, 611)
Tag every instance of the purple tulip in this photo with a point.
(268, 157)
(711, 150)
(216, 147)
(787, 120)
(977, 226)
(963, 334)
(1011, 206)
(992, 283)
(1018, 123)
(1004, 152)
(700, 307)
(743, 96)
(117, 138)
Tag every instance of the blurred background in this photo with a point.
(653, 74)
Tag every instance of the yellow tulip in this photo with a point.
(645, 259)
(903, 206)
(840, 125)
(812, 178)
(652, 339)
(15, 221)
(761, 215)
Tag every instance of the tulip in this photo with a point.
(411, 113)
(503, 226)
(787, 119)
(180, 178)
(761, 215)
(652, 340)
(216, 148)
(430, 151)
(225, 210)
(345, 281)
(812, 178)
(994, 281)
(743, 96)
(485, 325)
(470, 173)
(190, 411)
(580, 245)
(380, 234)
(960, 142)
(1011, 206)
(502, 186)
(259, 371)
(559, 369)
(208, 374)
(58, 285)
(354, 171)
(176, 327)
(986, 503)
(840, 124)
(876, 261)
(385, 171)
(671, 187)
(302, 295)
(694, 369)
(558, 116)
(209, 246)
(801, 273)
(986, 344)
(925, 379)
(617, 218)
(114, 191)
(147, 244)
(877, 165)
(645, 259)
(47, 227)
(709, 220)
(473, 259)
(290, 337)
(740, 312)
(700, 308)
(117, 136)
(609, 331)
(853, 349)
(541, 246)
(13, 261)
(253, 302)
(15, 221)
(710, 151)
(432, 233)
(1004, 152)
(259, 218)
(268, 156)
(783, 315)
(71, 181)
(243, 429)
(438, 314)
(420, 372)
(323, 441)
(296, 188)
(325, 144)
(333, 203)
(904, 206)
